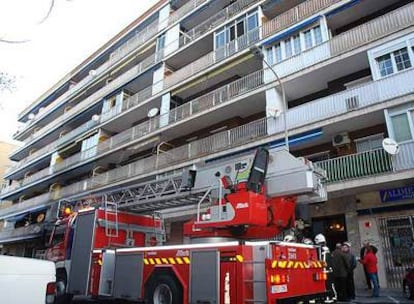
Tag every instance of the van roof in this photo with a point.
(20, 265)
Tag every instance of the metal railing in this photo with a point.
(404, 160)
(374, 29)
(184, 10)
(369, 163)
(295, 14)
(359, 165)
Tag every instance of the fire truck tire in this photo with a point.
(61, 281)
(163, 288)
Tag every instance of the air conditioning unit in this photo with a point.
(340, 139)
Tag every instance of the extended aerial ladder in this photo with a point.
(286, 176)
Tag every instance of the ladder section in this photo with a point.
(157, 194)
(111, 211)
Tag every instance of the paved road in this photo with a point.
(387, 296)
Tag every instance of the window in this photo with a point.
(396, 61)
(274, 54)
(401, 127)
(240, 28)
(252, 21)
(402, 59)
(307, 35)
(160, 43)
(369, 143)
(278, 52)
(317, 34)
(220, 39)
(385, 65)
(296, 44)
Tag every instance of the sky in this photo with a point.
(72, 32)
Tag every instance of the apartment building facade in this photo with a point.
(181, 85)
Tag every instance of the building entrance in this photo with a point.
(333, 227)
(397, 236)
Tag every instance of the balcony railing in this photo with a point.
(354, 166)
(344, 168)
(184, 10)
(52, 146)
(21, 232)
(320, 53)
(404, 160)
(368, 164)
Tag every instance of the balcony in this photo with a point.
(368, 164)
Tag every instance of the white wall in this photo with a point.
(172, 39)
(165, 108)
(158, 79)
(163, 17)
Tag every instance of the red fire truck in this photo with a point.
(223, 262)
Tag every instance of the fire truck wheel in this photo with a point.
(163, 288)
(61, 296)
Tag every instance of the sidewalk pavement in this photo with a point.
(387, 296)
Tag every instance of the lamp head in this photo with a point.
(257, 52)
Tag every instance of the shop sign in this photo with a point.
(397, 194)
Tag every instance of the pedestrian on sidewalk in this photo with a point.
(350, 284)
(362, 253)
(341, 266)
(370, 262)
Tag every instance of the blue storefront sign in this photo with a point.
(397, 194)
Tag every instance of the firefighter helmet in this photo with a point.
(319, 239)
(289, 238)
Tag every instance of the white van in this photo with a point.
(25, 280)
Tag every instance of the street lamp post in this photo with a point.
(259, 55)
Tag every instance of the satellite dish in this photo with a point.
(92, 73)
(31, 116)
(152, 113)
(390, 146)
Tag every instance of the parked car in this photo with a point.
(25, 280)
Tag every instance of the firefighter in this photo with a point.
(325, 255)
